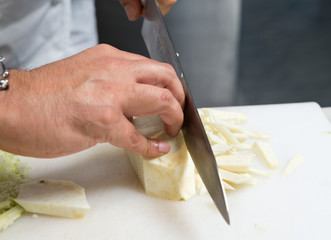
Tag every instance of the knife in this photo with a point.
(160, 48)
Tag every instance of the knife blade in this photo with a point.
(160, 48)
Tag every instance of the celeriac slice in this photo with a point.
(53, 197)
(7, 218)
(266, 152)
(293, 164)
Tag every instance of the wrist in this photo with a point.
(4, 74)
(11, 105)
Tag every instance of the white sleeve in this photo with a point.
(37, 32)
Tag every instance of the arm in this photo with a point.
(134, 8)
(89, 98)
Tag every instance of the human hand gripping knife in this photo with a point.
(160, 48)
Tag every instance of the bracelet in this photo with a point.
(4, 75)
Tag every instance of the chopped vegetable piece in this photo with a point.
(230, 138)
(259, 172)
(5, 205)
(220, 148)
(241, 137)
(253, 134)
(264, 150)
(234, 128)
(53, 197)
(173, 175)
(242, 146)
(236, 178)
(201, 188)
(234, 163)
(12, 173)
(227, 186)
(216, 139)
(8, 217)
(294, 163)
(215, 115)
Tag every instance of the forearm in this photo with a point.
(35, 121)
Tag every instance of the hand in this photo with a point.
(134, 9)
(89, 98)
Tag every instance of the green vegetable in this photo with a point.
(5, 205)
(12, 173)
(8, 217)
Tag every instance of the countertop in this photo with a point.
(277, 207)
(327, 111)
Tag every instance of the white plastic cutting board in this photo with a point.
(293, 207)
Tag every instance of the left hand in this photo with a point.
(134, 9)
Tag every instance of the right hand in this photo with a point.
(89, 98)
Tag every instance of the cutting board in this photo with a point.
(294, 207)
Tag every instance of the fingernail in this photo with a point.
(164, 147)
(130, 12)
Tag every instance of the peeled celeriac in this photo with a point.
(173, 175)
(170, 176)
(53, 197)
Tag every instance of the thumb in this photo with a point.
(131, 139)
(133, 8)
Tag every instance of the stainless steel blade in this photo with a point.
(160, 48)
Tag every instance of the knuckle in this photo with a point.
(166, 97)
(169, 68)
(103, 47)
(108, 117)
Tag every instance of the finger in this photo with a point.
(133, 9)
(147, 100)
(129, 138)
(158, 74)
(165, 5)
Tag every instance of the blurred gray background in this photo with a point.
(237, 52)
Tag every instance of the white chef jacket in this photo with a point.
(36, 32)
